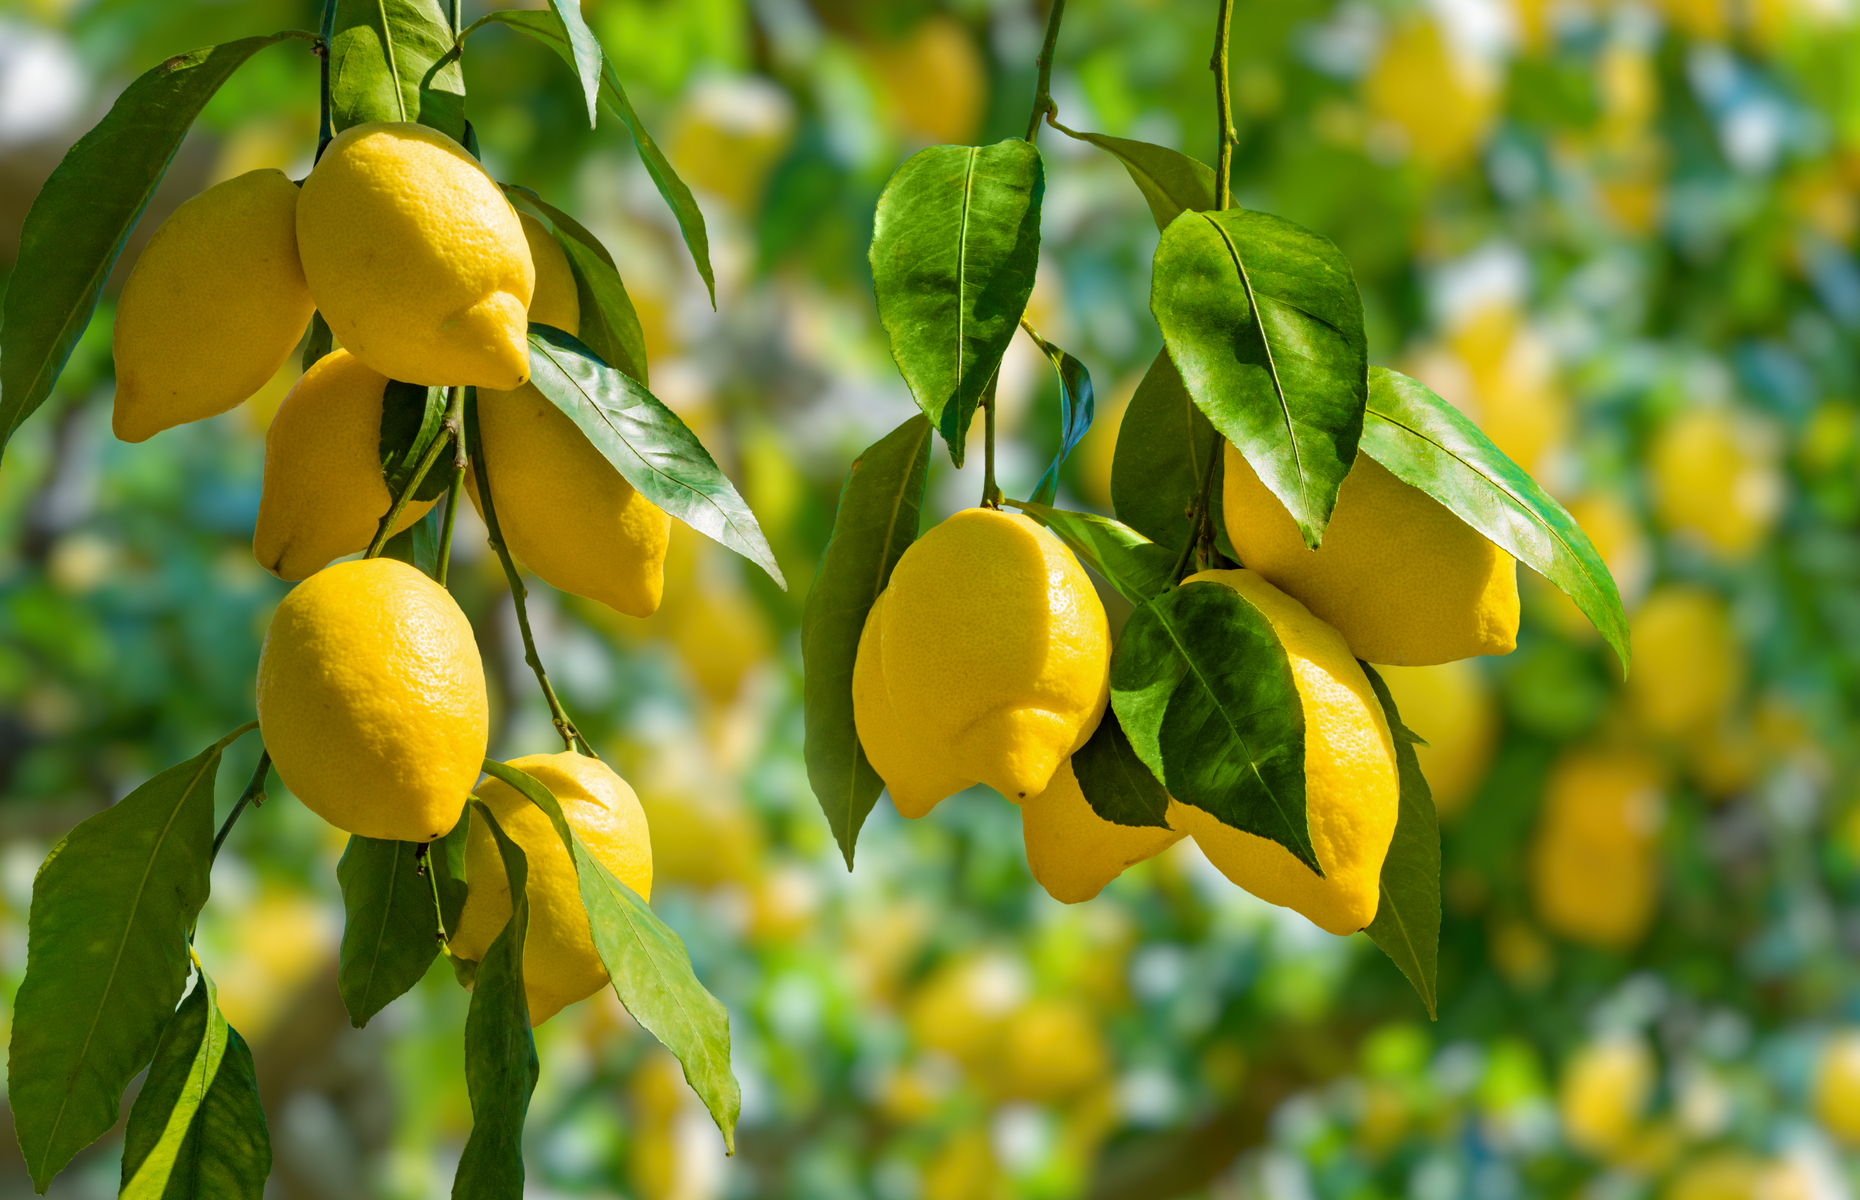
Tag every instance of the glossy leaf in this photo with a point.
(586, 51)
(1170, 181)
(1264, 322)
(881, 507)
(1075, 412)
(650, 970)
(1119, 788)
(391, 925)
(418, 544)
(500, 1052)
(393, 60)
(1407, 924)
(1163, 447)
(197, 1130)
(955, 244)
(609, 323)
(1137, 567)
(1427, 442)
(647, 443)
(319, 342)
(412, 419)
(1204, 691)
(80, 219)
(107, 958)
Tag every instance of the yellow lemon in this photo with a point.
(415, 258)
(1836, 1098)
(1050, 1049)
(936, 78)
(1688, 667)
(371, 700)
(1730, 1175)
(1451, 706)
(1351, 792)
(986, 659)
(1404, 580)
(1071, 850)
(555, 300)
(721, 634)
(702, 839)
(965, 1169)
(213, 307)
(1604, 1092)
(560, 965)
(323, 495)
(1444, 108)
(963, 1009)
(1715, 478)
(1593, 873)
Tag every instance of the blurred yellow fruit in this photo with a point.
(728, 136)
(1836, 1098)
(1050, 1049)
(323, 494)
(721, 634)
(1604, 1093)
(371, 700)
(1706, 19)
(555, 300)
(1502, 375)
(1715, 478)
(213, 307)
(1071, 850)
(1688, 666)
(1593, 871)
(658, 1092)
(1444, 107)
(281, 941)
(1403, 579)
(702, 842)
(560, 965)
(936, 78)
(965, 1169)
(415, 258)
(1451, 706)
(1350, 784)
(986, 658)
(1731, 1175)
(963, 1009)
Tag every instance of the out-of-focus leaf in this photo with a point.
(1170, 181)
(1137, 567)
(1075, 412)
(394, 60)
(1407, 924)
(1119, 788)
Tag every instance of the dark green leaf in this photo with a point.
(1204, 691)
(412, 419)
(955, 244)
(1407, 924)
(650, 970)
(1075, 412)
(500, 1052)
(881, 506)
(1426, 442)
(1137, 567)
(1170, 180)
(1263, 320)
(390, 934)
(418, 544)
(197, 1130)
(319, 342)
(107, 958)
(1119, 788)
(82, 216)
(609, 323)
(647, 443)
(393, 60)
(1163, 447)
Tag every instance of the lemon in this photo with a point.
(415, 258)
(1729, 1175)
(1593, 873)
(1836, 1097)
(1716, 480)
(721, 634)
(964, 1008)
(555, 301)
(1443, 108)
(560, 965)
(213, 307)
(965, 1169)
(1351, 792)
(1073, 851)
(371, 700)
(1688, 666)
(1451, 706)
(1404, 580)
(1604, 1093)
(1050, 1049)
(323, 495)
(986, 659)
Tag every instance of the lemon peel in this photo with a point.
(1071, 850)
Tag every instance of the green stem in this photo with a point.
(326, 127)
(1200, 520)
(991, 493)
(254, 795)
(447, 436)
(455, 429)
(1042, 93)
(425, 854)
(1223, 108)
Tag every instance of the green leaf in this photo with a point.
(1163, 446)
(1204, 691)
(1075, 411)
(412, 419)
(1407, 924)
(547, 28)
(390, 931)
(1171, 181)
(418, 544)
(82, 216)
(1117, 785)
(394, 60)
(319, 342)
(881, 507)
(586, 50)
(609, 323)
(955, 244)
(500, 1051)
(650, 970)
(1427, 442)
(647, 443)
(1137, 567)
(107, 958)
(1263, 320)
(197, 1130)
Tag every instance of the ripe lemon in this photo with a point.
(1443, 108)
(1715, 479)
(1351, 792)
(1688, 666)
(1050, 1049)
(1604, 1094)
(213, 307)
(554, 300)
(371, 700)
(323, 494)
(415, 258)
(1072, 851)
(1836, 1098)
(1404, 580)
(560, 965)
(1451, 706)
(986, 659)
(1593, 873)
(964, 1008)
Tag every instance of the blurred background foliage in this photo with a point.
(1620, 235)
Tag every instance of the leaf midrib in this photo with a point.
(1272, 366)
(962, 265)
(393, 60)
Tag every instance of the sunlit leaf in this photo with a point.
(1407, 924)
(393, 60)
(1170, 181)
(391, 918)
(1137, 567)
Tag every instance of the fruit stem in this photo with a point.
(1042, 93)
(413, 485)
(571, 737)
(1200, 520)
(425, 853)
(991, 494)
(1223, 108)
(326, 128)
(455, 430)
(254, 795)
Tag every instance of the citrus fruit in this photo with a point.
(560, 965)
(1351, 791)
(986, 659)
(963, 1009)
(1688, 666)
(1716, 480)
(1051, 1048)
(1451, 706)
(555, 300)
(1403, 579)
(1442, 107)
(1071, 850)
(1836, 1097)
(371, 700)
(323, 494)
(213, 307)
(415, 258)
(1593, 874)
(1604, 1093)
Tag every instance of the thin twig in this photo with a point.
(1223, 109)
(1043, 105)
(991, 493)
(254, 794)
(455, 429)
(326, 125)
(1200, 522)
(449, 433)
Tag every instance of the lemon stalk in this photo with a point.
(1042, 93)
(326, 125)
(451, 434)
(991, 492)
(457, 485)
(254, 795)
(1223, 108)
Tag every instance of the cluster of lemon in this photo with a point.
(986, 659)
(371, 692)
